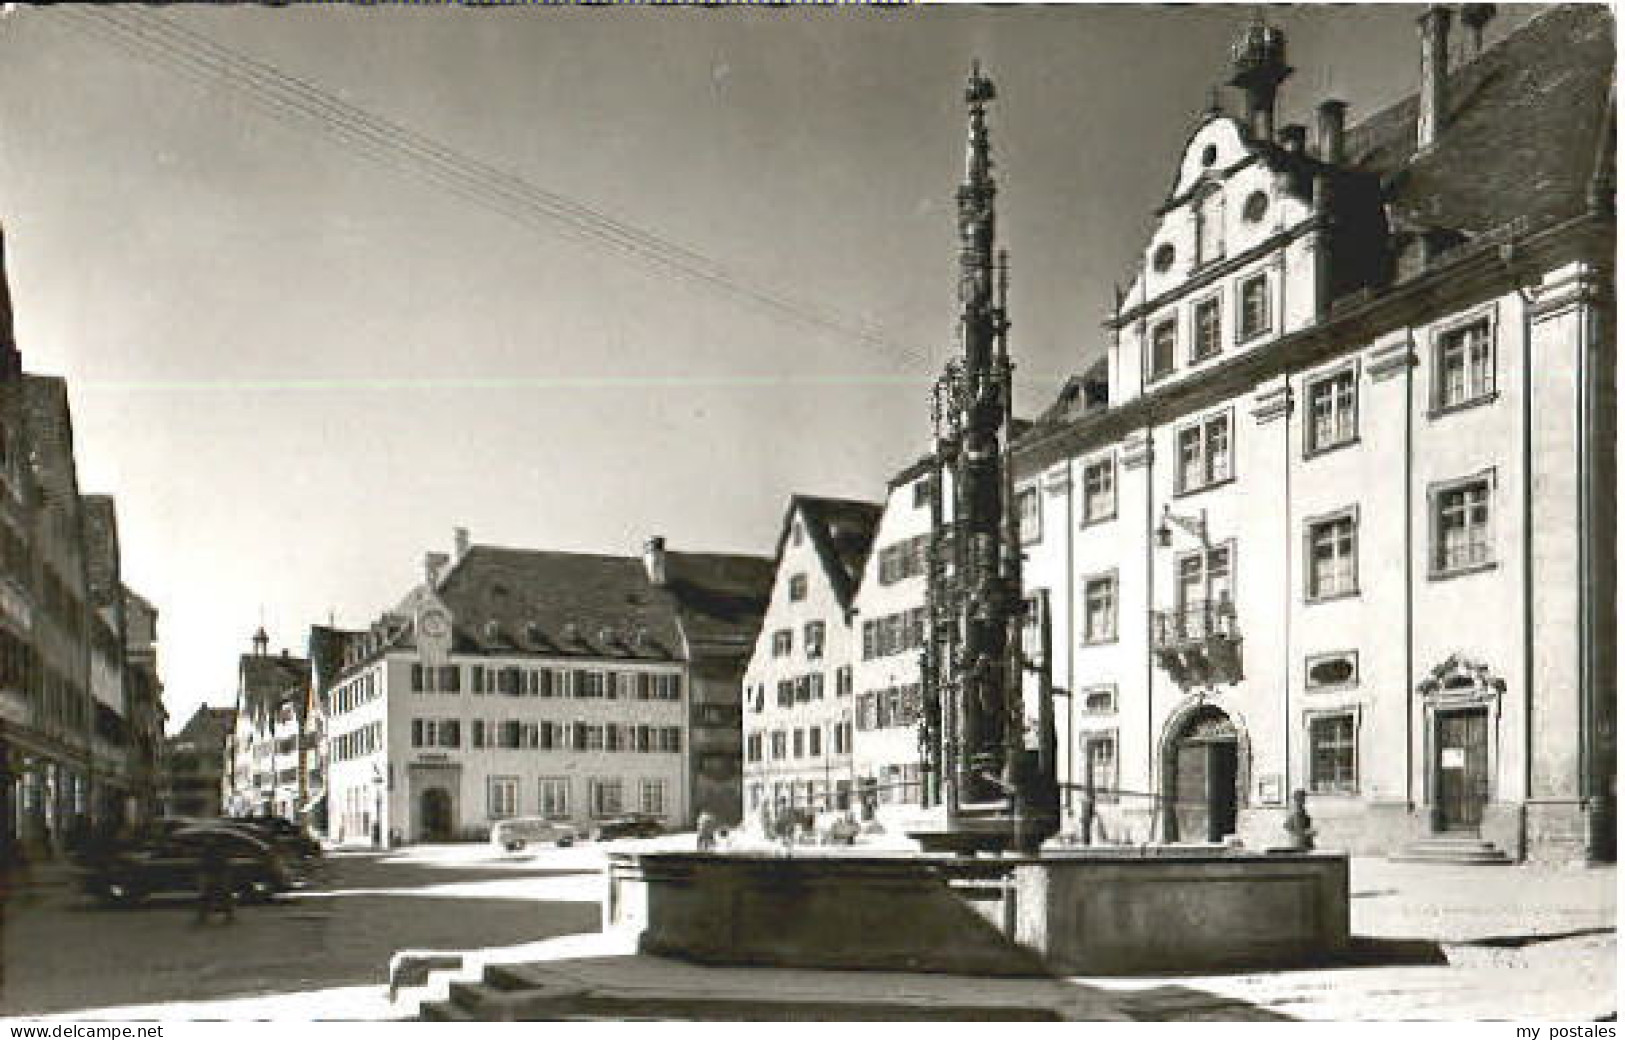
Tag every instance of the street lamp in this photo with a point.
(1196, 526)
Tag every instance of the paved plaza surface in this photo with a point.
(1433, 942)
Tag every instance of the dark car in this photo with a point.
(167, 862)
(288, 837)
(632, 825)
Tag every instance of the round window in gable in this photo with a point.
(1253, 210)
(1163, 258)
(1210, 155)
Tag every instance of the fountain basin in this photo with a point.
(1089, 912)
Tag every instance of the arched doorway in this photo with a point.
(1201, 771)
(435, 814)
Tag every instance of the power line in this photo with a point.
(193, 56)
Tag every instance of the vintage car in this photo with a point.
(288, 837)
(631, 825)
(168, 861)
(513, 835)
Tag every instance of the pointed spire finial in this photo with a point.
(980, 88)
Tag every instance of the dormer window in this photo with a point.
(1210, 155)
(1163, 257)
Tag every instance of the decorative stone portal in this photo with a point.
(1107, 912)
(1204, 775)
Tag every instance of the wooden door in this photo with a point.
(1191, 769)
(1461, 767)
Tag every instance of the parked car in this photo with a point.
(168, 862)
(631, 825)
(513, 835)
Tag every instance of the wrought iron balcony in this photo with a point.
(1198, 644)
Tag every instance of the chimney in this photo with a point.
(654, 560)
(434, 564)
(1473, 18)
(1292, 137)
(1329, 132)
(460, 541)
(1430, 114)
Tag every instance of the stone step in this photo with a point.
(1467, 857)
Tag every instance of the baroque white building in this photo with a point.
(1345, 524)
(518, 682)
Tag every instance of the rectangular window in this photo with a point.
(815, 742)
(1331, 754)
(1163, 340)
(417, 678)
(922, 493)
(1029, 518)
(1099, 490)
(1255, 307)
(509, 735)
(1204, 577)
(604, 794)
(1100, 609)
(450, 678)
(782, 642)
(778, 745)
(798, 746)
(1331, 411)
(1204, 453)
(504, 797)
(1461, 527)
(671, 738)
(479, 733)
(1100, 700)
(1332, 569)
(1464, 371)
(555, 797)
(479, 678)
(1100, 764)
(652, 797)
(450, 733)
(798, 588)
(417, 732)
(1207, 342)
(814, 638)
(592, 738)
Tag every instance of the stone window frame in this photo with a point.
(1356, 715)
(1110, 689)
(510, 786)
(1201, 423)
(542, 784)
(1312, 661)
(1087, 739)
(1107, 459)
(1312, 448)
(1311, 524)
(1034, 534)
(1489, 315)
(1152, 372)
(1215, 299)
(1110, 577)
(1242, 332)
(1436, 490)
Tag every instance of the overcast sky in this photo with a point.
(298, 368)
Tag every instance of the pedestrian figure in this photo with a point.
(1299, 827)
(214, 887)
(705, 838)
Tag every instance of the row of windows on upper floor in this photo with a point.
(1460, 541)
(812, 637)
(800, 690)
(1463, 366)
(579, 683)
(777, 745)
(1206, 339)
(547, 735)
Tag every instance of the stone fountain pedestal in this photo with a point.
(1095, 912)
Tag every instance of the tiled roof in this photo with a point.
(1520, 140)
(602, 606)
(266, 679)
(207, 726)
(843, 531)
